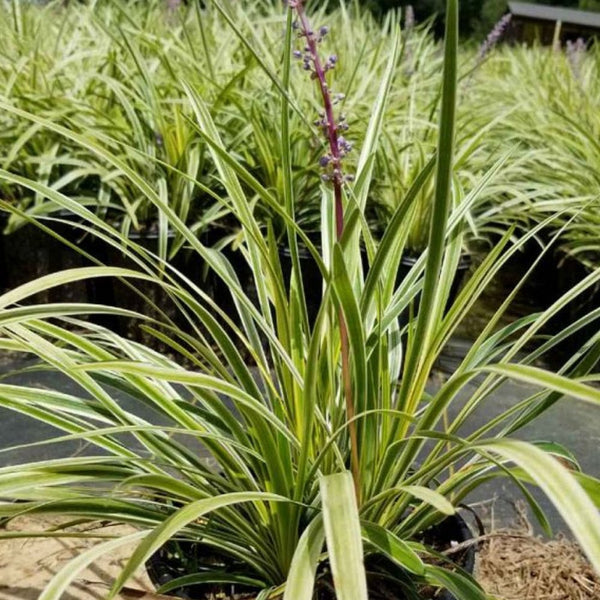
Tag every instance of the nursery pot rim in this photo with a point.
(460, 525)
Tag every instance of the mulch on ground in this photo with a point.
(518, 566)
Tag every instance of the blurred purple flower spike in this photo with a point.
(575, 53)
(494, 36)
(409, 18)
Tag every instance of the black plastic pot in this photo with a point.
(29, 253)
(140, 295)
(408, 261)
(217, 236)
(569, 272)
(3, 265)
(455, 529)
(554, 274)
(169, 563)
(313, 280)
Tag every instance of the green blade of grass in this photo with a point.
(300, 583)
(343, 536)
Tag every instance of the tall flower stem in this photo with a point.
(330, 125)
(337, 147)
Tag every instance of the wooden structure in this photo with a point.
(539, 22)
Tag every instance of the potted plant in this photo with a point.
(319, 439)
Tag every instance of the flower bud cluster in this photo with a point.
(308, 61)
(331, 127)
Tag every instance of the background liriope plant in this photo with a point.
(109, 68)
(282, 487)
(551, 99)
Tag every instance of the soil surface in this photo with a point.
(27, 565)
(513, 565)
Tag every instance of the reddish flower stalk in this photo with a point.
(338, 148)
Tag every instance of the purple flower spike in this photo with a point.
(575, 53)
(409, 18)
(338, 146)
(494, 37)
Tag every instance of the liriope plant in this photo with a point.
(552, 118)
(282, 500)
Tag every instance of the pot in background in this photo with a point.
(313, 281)
(140, 295)
(3, 265)
(222, 237)
(569, 272)
(29, 253)
(408, 261)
